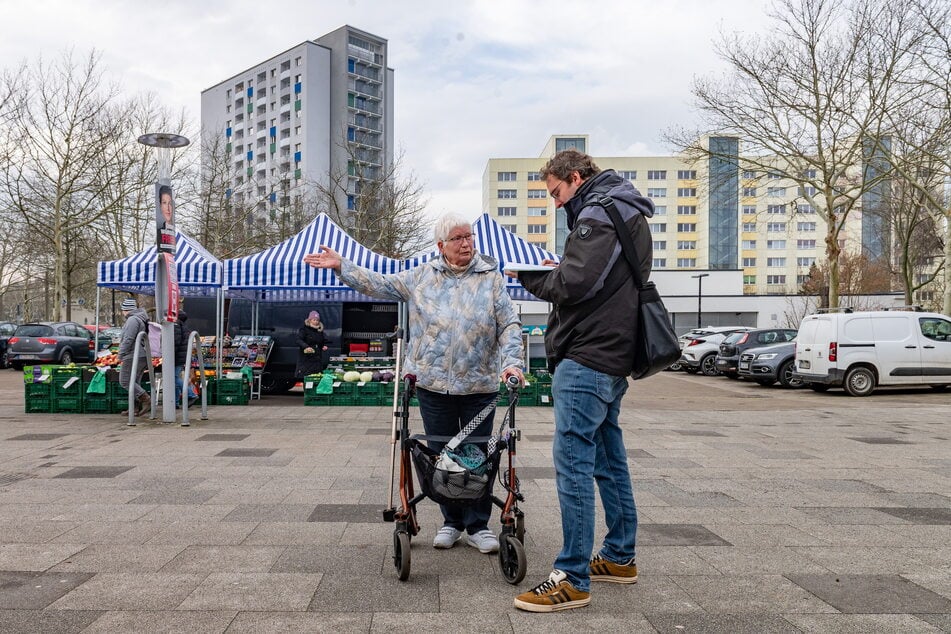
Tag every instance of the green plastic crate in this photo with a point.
(97, 404)
(37, 397)
(345, 400)
(321, 400)
(232, 399)
(38, 390)
(367, 400)
(68, 404)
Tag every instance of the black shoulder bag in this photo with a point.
(655, 343)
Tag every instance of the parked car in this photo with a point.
(728, 356)
(699, 348)
(50, 342)
(109, 337)
(861, 350)
(769, 364)
(6, 331)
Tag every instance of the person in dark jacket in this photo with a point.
(311, 343)
(136, 321)
(180, 335)
(590, 347)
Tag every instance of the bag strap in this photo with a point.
(624, 237)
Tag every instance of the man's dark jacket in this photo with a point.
(595, 298)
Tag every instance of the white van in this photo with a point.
(860, 350)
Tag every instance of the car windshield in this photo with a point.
(734, 337)
(34, 330)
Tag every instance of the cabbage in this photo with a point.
(377, 376)
(351, 376)
(387, 376)
(366, 377)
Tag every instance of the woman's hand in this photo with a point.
(513, 371)
(308, 350)
(325, 258)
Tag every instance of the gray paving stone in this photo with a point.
(24, 621)
(162, 622)
(872, 594)
(346, 513)
(750, 594)
(204, 559)
(594, 618)
(860, 623)
(677, 535)
(733, 623)
(354, 560)
(93, 472)
(246, 452)
(34, 557)
(22, 590)
(920, 515)
(270, 513)
(173, 496)
(344, 593)
(301, 622)
(118, 558)
(223, 437)
(38, 437)
(253, 591)
(129, 591)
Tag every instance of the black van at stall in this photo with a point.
(344, 323)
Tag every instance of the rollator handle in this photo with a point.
(513, 381)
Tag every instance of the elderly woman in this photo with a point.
(311, 343)
(463, 329)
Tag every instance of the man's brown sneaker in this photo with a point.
(555, 593)
(604, 570)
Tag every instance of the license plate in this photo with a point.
(804, 364)
(744, 365)
(27, 357)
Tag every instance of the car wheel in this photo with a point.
(765, 382)
(67, 357)
(676, 367)
(708, 365)
(786, 375)
(818, 387)
(859, 381)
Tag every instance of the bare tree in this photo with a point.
(805, 101)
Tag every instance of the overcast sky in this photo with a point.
(474, 79)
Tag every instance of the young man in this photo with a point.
(589, 345)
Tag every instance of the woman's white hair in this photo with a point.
(446, 223)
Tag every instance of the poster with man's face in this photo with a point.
(165, 218)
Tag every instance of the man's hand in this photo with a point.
(325, 258)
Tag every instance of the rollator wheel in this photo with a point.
(512, 558)
(401, 554)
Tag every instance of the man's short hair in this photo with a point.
(565, 162)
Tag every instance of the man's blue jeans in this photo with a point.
(446, 415)
(589, 447)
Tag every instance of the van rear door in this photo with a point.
(812, 345)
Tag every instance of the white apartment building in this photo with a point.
(713, 215)
(320, 110)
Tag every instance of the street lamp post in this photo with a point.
(699, 277)
(166, 282)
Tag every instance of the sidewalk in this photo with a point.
(761, 510)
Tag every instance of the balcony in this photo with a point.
(364, 88)
(367, 73)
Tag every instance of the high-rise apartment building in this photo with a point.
(320, 112)
(711, 215)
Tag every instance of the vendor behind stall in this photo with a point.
(311, 343)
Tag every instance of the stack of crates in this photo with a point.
(528, 394)
(367, 394)
(67, 390)
(37, 389)
(311, 397)
(94, 402)
(543, 388)
(344, 394)
(232, 391)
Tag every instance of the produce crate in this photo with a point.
(38, 373)
(317, 399)
(540, 362)
(372, 388)
(367, 400)
(67, 404)
(343, 388)
(346, 400)
(232, 399)
(232, 392)
(67, 383)
(97, 404)
(37, 397)
(118, 398)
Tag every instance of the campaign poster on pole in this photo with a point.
(165, 218)
(171, 306)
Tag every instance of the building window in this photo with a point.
(776, 227)
(807, 261)
(811, 173)
(749, 262)
(805, 244)
(537, 193)
(534, 176)
(807, 191)
(656, 175)
(659, 227)
(775, 244)
(505, 211)
(538, 229)
(656, 192)
(508, 193)
(749, 226)
(806, 226)
(534, 212)
(687, 175)
(687, 192)
(660, 245)
(506, 176)
(749, 279)
(775, 279)
(628, 174)
(686, 244)
(776, 191)
(805, 209)
(749, 210)
(776, 209)
(540, 245)
(686, 210)
(659, 263)
(660, 210)
(749, 192)
(508, 227)
(773, 176)
(748, 244)
(687, 262)
(686, 227)
(749, 173)
(775, 261)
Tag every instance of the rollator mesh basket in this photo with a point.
(459, 488)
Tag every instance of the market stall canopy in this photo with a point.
(279, 273)
(494, 240)
(199, 272)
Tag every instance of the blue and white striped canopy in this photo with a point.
(199, 272)
(494, 240)
(282, 268)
